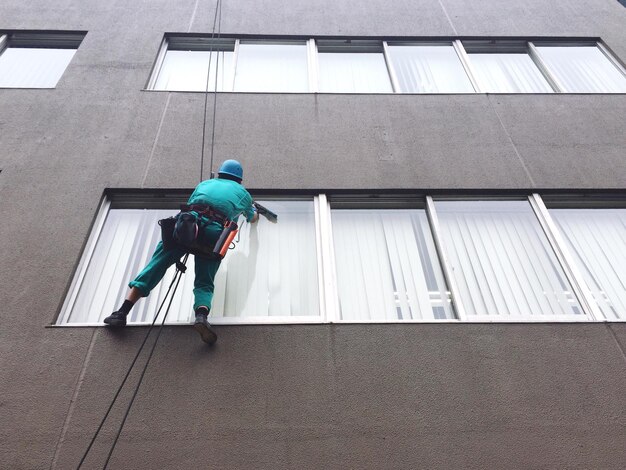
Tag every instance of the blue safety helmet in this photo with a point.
(232, 168)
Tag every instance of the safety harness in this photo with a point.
(185, 230)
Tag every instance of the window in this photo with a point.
(271, 276)
(273, 271)
(505, 67)
(249, 66)
(272, 67)
(185, 65)
(352, 67)
(29, 60)
(502, 262)
(583, 69)
(376, 258)
(286, 65)
(596, 238)
(429, 68)
(387, 266)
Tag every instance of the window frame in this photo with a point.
(195, 44)
(612, 58)
(553, 79)
(389, 202)
(508, 47)
(269, 42)
(325, 251)
(70, 40)
(377, 46)
(590, 311)
(587, 202)
(172, 200)
(457, 48)
(528, 44)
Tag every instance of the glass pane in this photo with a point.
(187, 71)
(583, 69)
(508, 73)
(353, 72)
(271, 272)
(272, 68)
(124, 247)
(501, 260)
(429, 69)
(597, 240)
(387, 266)
(33, 67)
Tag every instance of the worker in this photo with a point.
(213, 201)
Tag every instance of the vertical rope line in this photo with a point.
(206, 92)
(93, 439)
(177, 277)
(217, 65)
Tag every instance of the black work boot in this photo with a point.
(201, 325)
(117, 319)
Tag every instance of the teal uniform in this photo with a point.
(226, 196)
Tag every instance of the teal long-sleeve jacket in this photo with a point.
(228, 197)
(232, 200)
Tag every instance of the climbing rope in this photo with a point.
(180, 265)
(180, 269)
(177, 277)
(218, 12)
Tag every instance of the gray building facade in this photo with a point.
(279, 396)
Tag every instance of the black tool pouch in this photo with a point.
(183, 231)
(186, 228)
(167, 232)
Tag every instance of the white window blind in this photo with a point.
(271, 273)
(349, 261)
(272, 67)
(597, 240)
(387, 266)
(429, 69)
(187, 71)
(352, 68)
(508, 73)
(502, 262)
(292, 65)
(273, 270)
(583, 69)
(123, 248)
(32, 67)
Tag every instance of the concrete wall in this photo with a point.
(387, 396)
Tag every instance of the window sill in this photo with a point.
(249, 322)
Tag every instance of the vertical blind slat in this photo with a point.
(583, 69)
(387, 267)
(429, 69)
(523, 278)
(33, 67)
(378, 259)
(598, 239)
(288, 282)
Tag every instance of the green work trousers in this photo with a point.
(162, 259)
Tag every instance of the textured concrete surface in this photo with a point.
(363, 396)
(393, 396)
